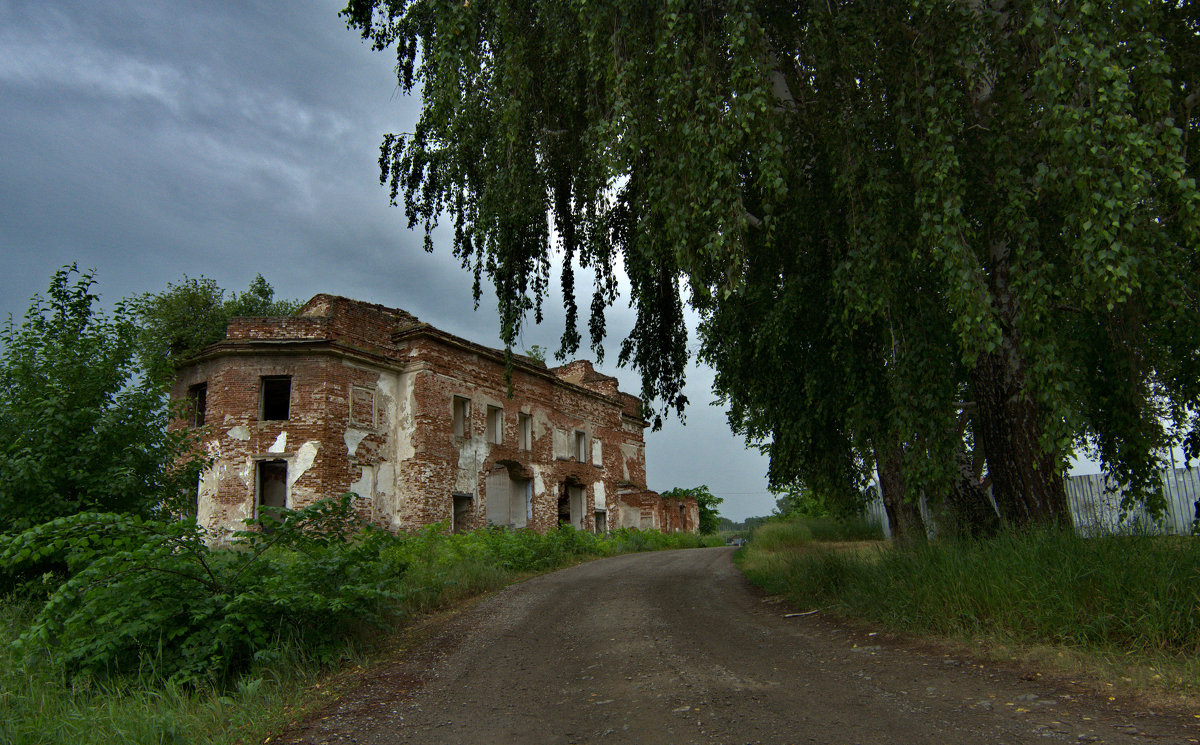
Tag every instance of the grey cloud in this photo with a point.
(156, 138)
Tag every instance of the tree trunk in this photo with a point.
(969, 512)
(904, 516)
(1026, 482)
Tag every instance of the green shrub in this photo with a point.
(82, 429)
(152, 595)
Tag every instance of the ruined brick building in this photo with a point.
(348, 396)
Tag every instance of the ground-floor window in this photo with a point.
(463, 507)
(272, 485)
(571, 502)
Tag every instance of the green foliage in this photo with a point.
(537, 353)
(151, 595)
(1120, 594)
(790, 531)
(80, 428)
(913, 232)
(186, 317)
(41, 705)
(800, 500)
(705, 500)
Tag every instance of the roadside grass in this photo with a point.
(1124, 607)
(40, 704)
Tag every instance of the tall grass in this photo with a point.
(791, 533)
(1117, 594)
(42, 705)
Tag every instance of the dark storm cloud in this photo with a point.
(155, 139)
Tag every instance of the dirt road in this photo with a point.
(674, 647)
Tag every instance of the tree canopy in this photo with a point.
(80, 428)
(950, 242)
(193, 313)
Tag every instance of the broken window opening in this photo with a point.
(564, 507)
(495, 425)
(580, 446)
(276, 397)
(462, 416)
(197, 397)
(524, 431)
(461, 519)
(571, 502)
(601, 521)
(193, 508)
(272, 487)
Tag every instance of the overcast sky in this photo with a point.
(149, 139)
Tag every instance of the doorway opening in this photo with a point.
(462, 513)
(272, 487)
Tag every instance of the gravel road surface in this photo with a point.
(675, 647)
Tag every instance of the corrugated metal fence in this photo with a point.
(1096, 509)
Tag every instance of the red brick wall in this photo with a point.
(405, 461)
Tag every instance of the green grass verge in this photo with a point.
(41, 705)
(1133, 601)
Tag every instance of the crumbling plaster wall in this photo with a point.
(442, 371)
(235, 440)
(326, 454)
(372, 413)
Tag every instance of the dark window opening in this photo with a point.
(580, 446)
(272, 485)
(564, 507)
(197, 403)
(462, 513)
(571, 504)
(276, 397)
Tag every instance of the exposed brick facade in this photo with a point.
(353, 397)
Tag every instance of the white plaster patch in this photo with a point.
(472, 453)
(598, 492)
(385, 486)
(353, 437)
(239, 432)
(405, 429)
(597, 452)
(302, 462)
(246, 474)
(280, 444)
(365, 486)
(539, 484)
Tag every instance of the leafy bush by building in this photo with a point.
(80, 428)
(144, 594)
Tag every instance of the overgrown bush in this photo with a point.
(152, 595)
(81, 429)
